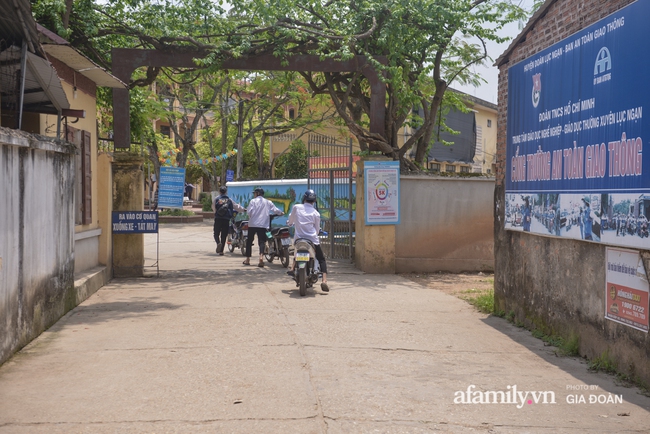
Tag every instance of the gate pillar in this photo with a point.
(128, 195)
(374, 250)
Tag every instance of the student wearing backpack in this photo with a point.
(223, 209)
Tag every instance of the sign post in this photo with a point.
(137, 222)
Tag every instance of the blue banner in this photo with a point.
(575, 110)
(171, 188)
(135, 222)
(575, 133)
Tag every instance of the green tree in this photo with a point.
(293, 164)
(420, 47)
(427, 45)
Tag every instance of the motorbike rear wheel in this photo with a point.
(269, 249)
(302, 281)
(243, 246)
(284, 257)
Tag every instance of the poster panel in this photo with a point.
(381, 180)
(575, 135)
(171, 188)
(626, 291)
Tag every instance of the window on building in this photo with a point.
(450, 168)
(489, 123)
(464, 169)
(165, 130)
(435, 167)
(292, 113)
(83, 183)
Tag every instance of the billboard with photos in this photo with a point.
(575, 135)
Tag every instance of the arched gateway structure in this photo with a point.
(126, 60)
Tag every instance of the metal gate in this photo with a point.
(330, 175)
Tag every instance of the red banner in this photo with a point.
(628, 306)
(321, 166)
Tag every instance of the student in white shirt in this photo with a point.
(306, 220)
(259, 209)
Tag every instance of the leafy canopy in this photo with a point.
(420, 46)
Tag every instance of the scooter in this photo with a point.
(277, 244)
(237, 234)
(307, 267)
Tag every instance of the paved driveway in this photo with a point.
(213, 346)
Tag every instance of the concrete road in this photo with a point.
(212, 346)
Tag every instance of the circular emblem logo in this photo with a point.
(382, 191)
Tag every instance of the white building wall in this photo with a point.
(36, 237)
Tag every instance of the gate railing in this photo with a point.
(330, 175)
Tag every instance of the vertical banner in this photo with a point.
(381, 180)
(171, 188)
(626, 292)
(575, 163)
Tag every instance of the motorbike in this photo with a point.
(277, 244)
(237, 234)
(307, 268)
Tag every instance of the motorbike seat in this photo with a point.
(275, 231)
(298, 241)
(240, 222)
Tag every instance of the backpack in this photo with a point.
(222, 207)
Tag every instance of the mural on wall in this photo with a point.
(285, 194)
(575, 134)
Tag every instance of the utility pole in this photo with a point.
(240, 128)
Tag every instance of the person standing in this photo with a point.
(259, 210)
(588, 218)
(188, 190)
(306, 220)
(526, 216)
(581, 223)
(223, 208)
(557, 224)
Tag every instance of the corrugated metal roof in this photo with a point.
(56, 46)
(43, 90)
(42, 73)
(17, 24)
(83, 65)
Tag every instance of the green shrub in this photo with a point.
(605, 363)
(206, 201)
(176, 212)
(484, 301)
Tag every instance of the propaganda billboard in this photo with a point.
(575, 135)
